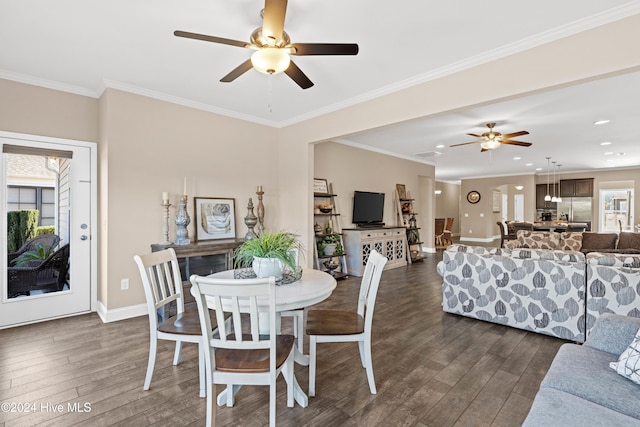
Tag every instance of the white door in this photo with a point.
(504, 216)
(75, 205)
(518, 207)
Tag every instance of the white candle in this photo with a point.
(185, 186)
(165, 197)
(259, 188)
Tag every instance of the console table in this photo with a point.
(222, 250)
(391, 242)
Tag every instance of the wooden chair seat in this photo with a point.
(251, 361)
(334, 322)
(185, 323)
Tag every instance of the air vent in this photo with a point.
(429, 154)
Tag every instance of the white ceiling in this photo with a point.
(83, 46)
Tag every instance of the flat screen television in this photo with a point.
(368, 208)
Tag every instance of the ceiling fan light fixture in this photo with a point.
(491, 144)
(270, 60)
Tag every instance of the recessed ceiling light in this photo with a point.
(538, 169)
(601, 122)
(605, 143)
(608, 153)
(517, 158)
(529, 164)
(440, 146)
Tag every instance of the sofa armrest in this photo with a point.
(613, 333)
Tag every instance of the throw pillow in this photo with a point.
(628, 364)
(599, 241)
(629, 241)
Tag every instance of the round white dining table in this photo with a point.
(313, 287)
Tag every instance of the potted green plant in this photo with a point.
(33, 257)
(330, 245)
(269, 253)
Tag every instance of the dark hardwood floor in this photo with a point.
(431, 369)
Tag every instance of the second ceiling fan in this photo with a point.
(491, 140)
(273, 46)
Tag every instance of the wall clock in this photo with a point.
(473, 197)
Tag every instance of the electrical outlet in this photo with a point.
(124, 284)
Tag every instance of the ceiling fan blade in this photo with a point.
(273, 19)
(520, 143)
(298, 76)
(465, 143)
(238, 71)
(212, 39)
(511, 135)
(324, 48)
(473, 134)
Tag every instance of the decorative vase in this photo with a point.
(329, 249)
(267, 267)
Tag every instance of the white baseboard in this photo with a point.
(121, 313)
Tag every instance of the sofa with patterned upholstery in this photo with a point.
(613, 285)
(550, 291)
(537, 290)
(628, 243)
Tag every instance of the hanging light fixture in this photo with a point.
(554, 199)
(547, 198)
(559, 199)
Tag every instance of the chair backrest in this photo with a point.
(161, 280)
(369, 287)
(236, 296)
(502, 233)
(58, 262)
(522, 226)
(48, 241)
(439, 228)
(449, 224)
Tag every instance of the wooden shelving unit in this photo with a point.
(406, 217)
(327, 224)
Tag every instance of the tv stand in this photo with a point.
(390, 242)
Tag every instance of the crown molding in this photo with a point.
(344, 141)
(49, 84)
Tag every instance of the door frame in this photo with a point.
(93, 150)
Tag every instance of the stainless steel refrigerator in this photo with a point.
(575, 209)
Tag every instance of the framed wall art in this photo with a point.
(320, 186)
(214, 218)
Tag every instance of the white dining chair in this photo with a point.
(348, 326)
(235, 357)
(162, 284)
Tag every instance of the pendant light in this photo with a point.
(554, 199)
(559, 199)
(547, 197)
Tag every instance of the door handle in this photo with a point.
(83, 237)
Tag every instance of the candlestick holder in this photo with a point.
(182, 220)
(250, 220)
(165, 222)
(260, 211)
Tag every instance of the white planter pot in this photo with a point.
(267, 267)
(329, 249)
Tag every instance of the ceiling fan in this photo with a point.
(491, 140)
(273, 46)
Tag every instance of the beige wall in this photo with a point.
(39, 111)
(151, 146)
(350, 169)
(478, 221)
(147, 146)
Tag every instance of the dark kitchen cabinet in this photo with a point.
(541, 191)
(576, 187)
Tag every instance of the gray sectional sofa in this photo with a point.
(581, 389)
